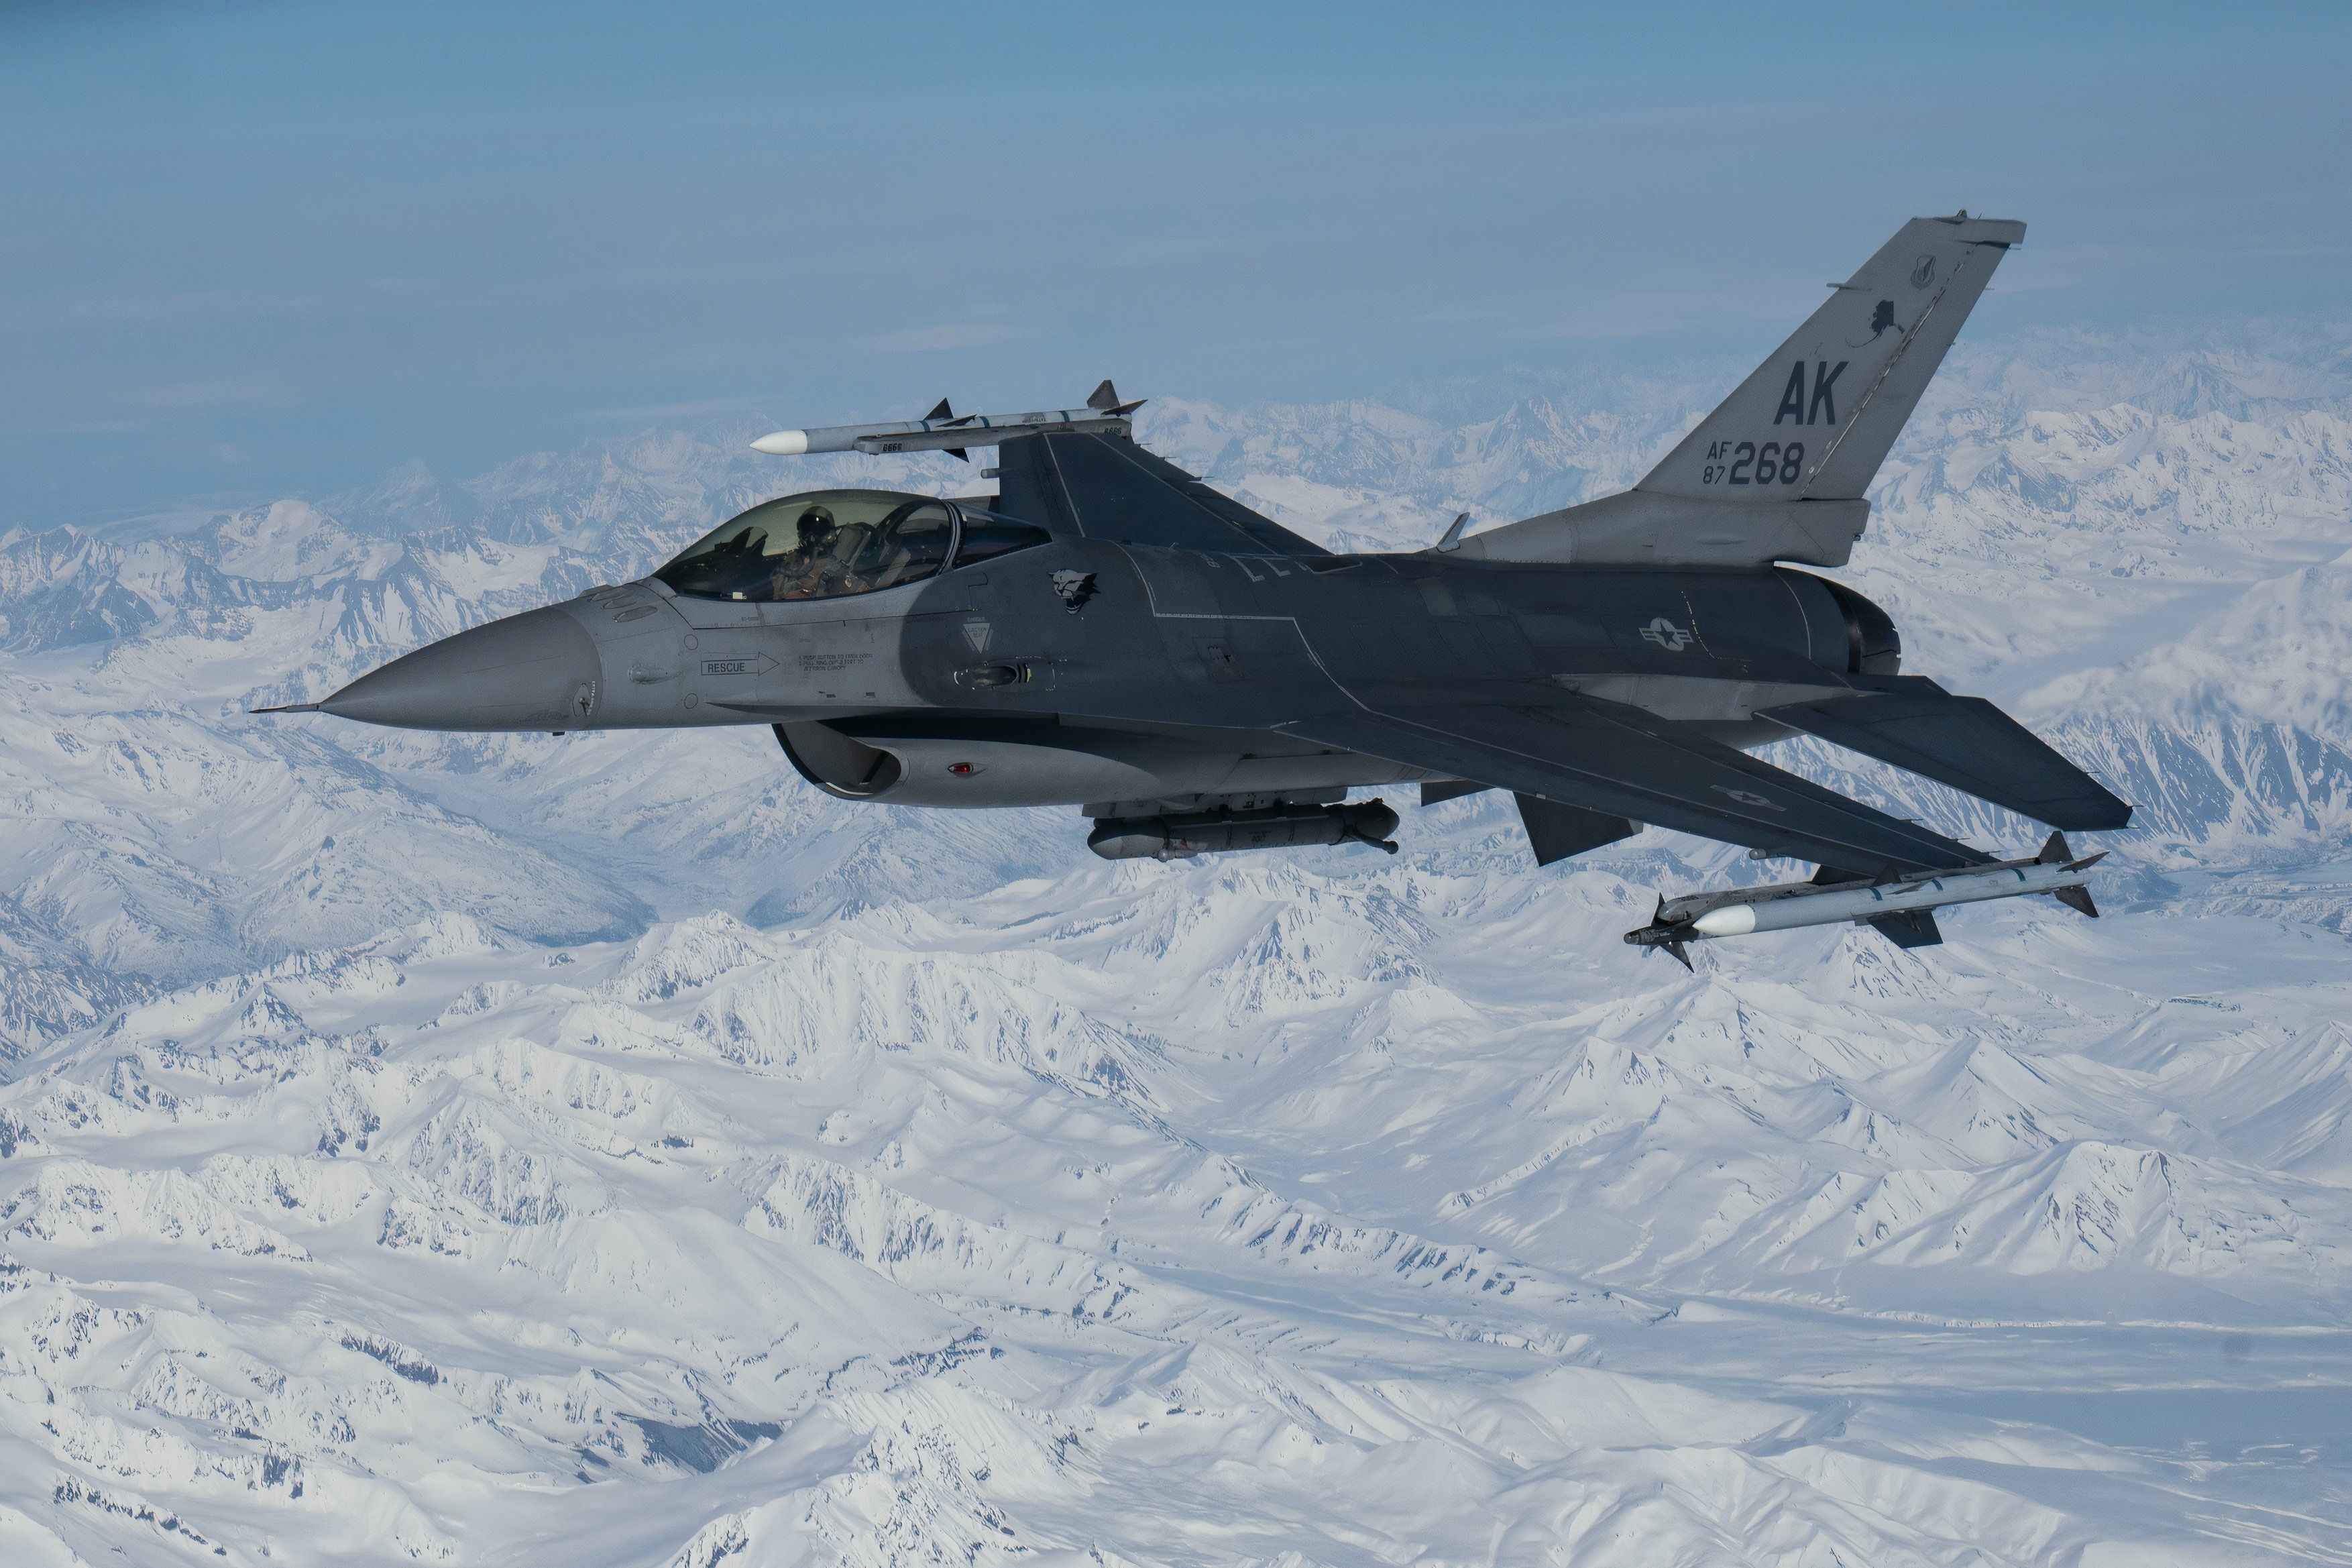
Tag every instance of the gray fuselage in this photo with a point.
(1108, 675)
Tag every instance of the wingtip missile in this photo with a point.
(945, 430)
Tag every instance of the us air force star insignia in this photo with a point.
(1744, 797)
(977, 634)
(1666, 634)
(1074, 587)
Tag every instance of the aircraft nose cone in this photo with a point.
(538, 671)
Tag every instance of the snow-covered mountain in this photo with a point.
(605, 1150)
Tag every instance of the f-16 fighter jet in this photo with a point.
(1107, 631)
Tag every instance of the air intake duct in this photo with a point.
(1283, 826)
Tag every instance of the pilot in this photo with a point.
(849, 553)
(800, 571)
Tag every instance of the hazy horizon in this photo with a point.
(266, 250)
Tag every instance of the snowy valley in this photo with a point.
(607, 1149)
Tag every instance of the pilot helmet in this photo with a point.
(815, 525)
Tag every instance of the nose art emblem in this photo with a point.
(1074, 587)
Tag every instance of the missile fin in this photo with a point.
(941, 412)
(1104, 399)
(2053, 850)
(1909, 928)
(959, 452)
(2076, 898)
(1660, 933)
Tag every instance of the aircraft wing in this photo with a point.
(1609, 758)
(1106, 487)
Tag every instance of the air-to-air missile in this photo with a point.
(1901, 907)
(944, 430)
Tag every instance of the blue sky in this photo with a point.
(256, 250)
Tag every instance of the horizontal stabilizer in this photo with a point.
(1965, 743)
(1556, 832)
(1621, 762)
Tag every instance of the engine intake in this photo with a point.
(837, 763)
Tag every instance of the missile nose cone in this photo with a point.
(538, 671)
(783, 444)
(1733, 919)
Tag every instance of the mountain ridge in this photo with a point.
(442, 1148)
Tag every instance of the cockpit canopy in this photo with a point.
(828, 544)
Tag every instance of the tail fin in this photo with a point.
(1777, 473)
(1816, 419)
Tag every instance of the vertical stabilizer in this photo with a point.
(1779, 471)
(1816, 419)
